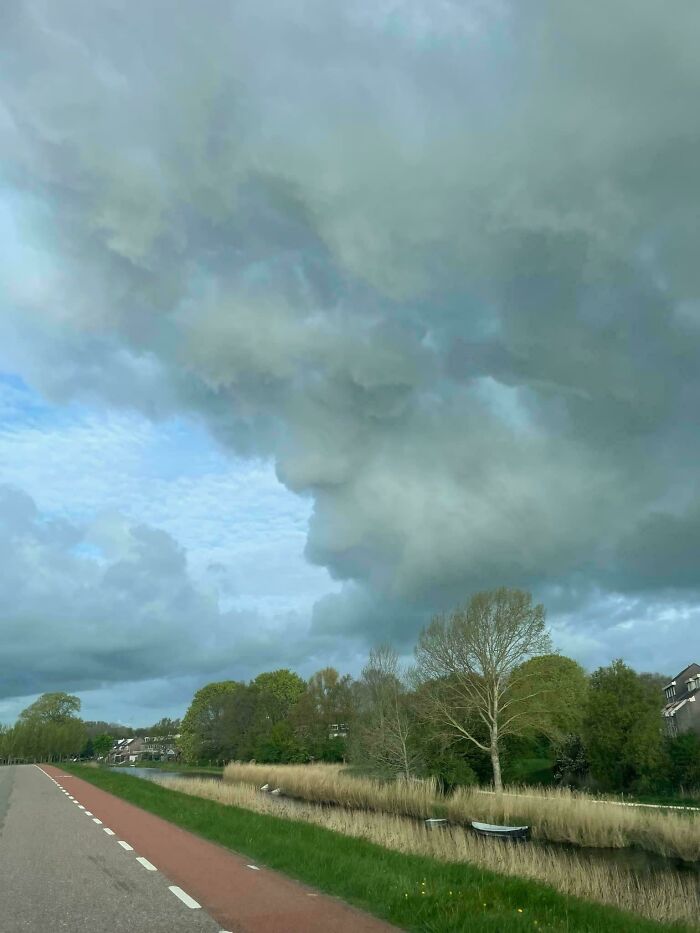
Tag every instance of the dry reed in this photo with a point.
(554, 815)
(665, 895)
(561, 815)
(327, 783)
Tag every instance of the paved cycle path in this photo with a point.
(243, 897)
(60, 873)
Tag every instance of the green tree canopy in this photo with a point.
(102, 744)
(52, 707)
(201, 730)
(551, 690)
(282, 687)
(622, 727)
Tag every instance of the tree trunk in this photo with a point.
(496, 765)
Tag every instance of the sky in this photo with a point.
(317, 318)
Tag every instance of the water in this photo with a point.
(152, 774)
(638, 860)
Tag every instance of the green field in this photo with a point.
(415, 893)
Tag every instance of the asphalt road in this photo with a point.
(59, 870)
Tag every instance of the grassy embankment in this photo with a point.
(417, 893)
(665, 895)
(555, 814)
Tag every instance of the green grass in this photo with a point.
(531, 771)
(415, 893)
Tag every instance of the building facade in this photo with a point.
(682, 710)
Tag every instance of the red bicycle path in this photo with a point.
(237, 896)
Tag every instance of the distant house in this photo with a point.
(338, 730)
(158, 748)
(125, 750)
(682, 710)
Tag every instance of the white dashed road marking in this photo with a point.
(110, 832)
(146, 864)
(95, 820)
(125, 845)
(185, 898)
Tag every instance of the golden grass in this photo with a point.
(561, 815)
(554, 815)
(328, 783)
(664, 895)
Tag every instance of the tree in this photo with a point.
(102, 744)
(279, 691)
(470, 665)
(683, 757)
(51, 707)
(327, 700)
(202, 734)
(557, 707)
(571, 766)
(386, 728)
(622, 727)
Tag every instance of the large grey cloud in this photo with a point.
(437, 260)
(91, 606)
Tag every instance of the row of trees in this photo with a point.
(48, 730)
(485, 696)
(52, 730)
(486, 692)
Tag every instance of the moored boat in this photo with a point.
(501, 832)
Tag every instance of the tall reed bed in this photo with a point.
(329, 784)
(665, 896)
(554, 815)
(561, 815)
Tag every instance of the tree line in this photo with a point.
(486, 700)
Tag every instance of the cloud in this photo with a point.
(435, 262)
(114, 607)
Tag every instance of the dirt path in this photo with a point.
(228, 886)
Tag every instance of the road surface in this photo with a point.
(75, 858)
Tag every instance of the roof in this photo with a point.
(690, 671)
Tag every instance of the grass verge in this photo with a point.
(415, 893)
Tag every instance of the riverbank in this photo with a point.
(555, 815)
(415, 892)
(174, 766)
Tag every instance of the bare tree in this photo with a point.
(470, 665)
(387, 728)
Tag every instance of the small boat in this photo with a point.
(501, 832)
(276, 792)
(265, 787)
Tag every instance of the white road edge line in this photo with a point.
(110, 832)
(80, 806)
(146, 864)
(185, 898)
(125, 845)
(95, 820)
(87, 813)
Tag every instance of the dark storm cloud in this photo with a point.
(437, 260)
(95, 606)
